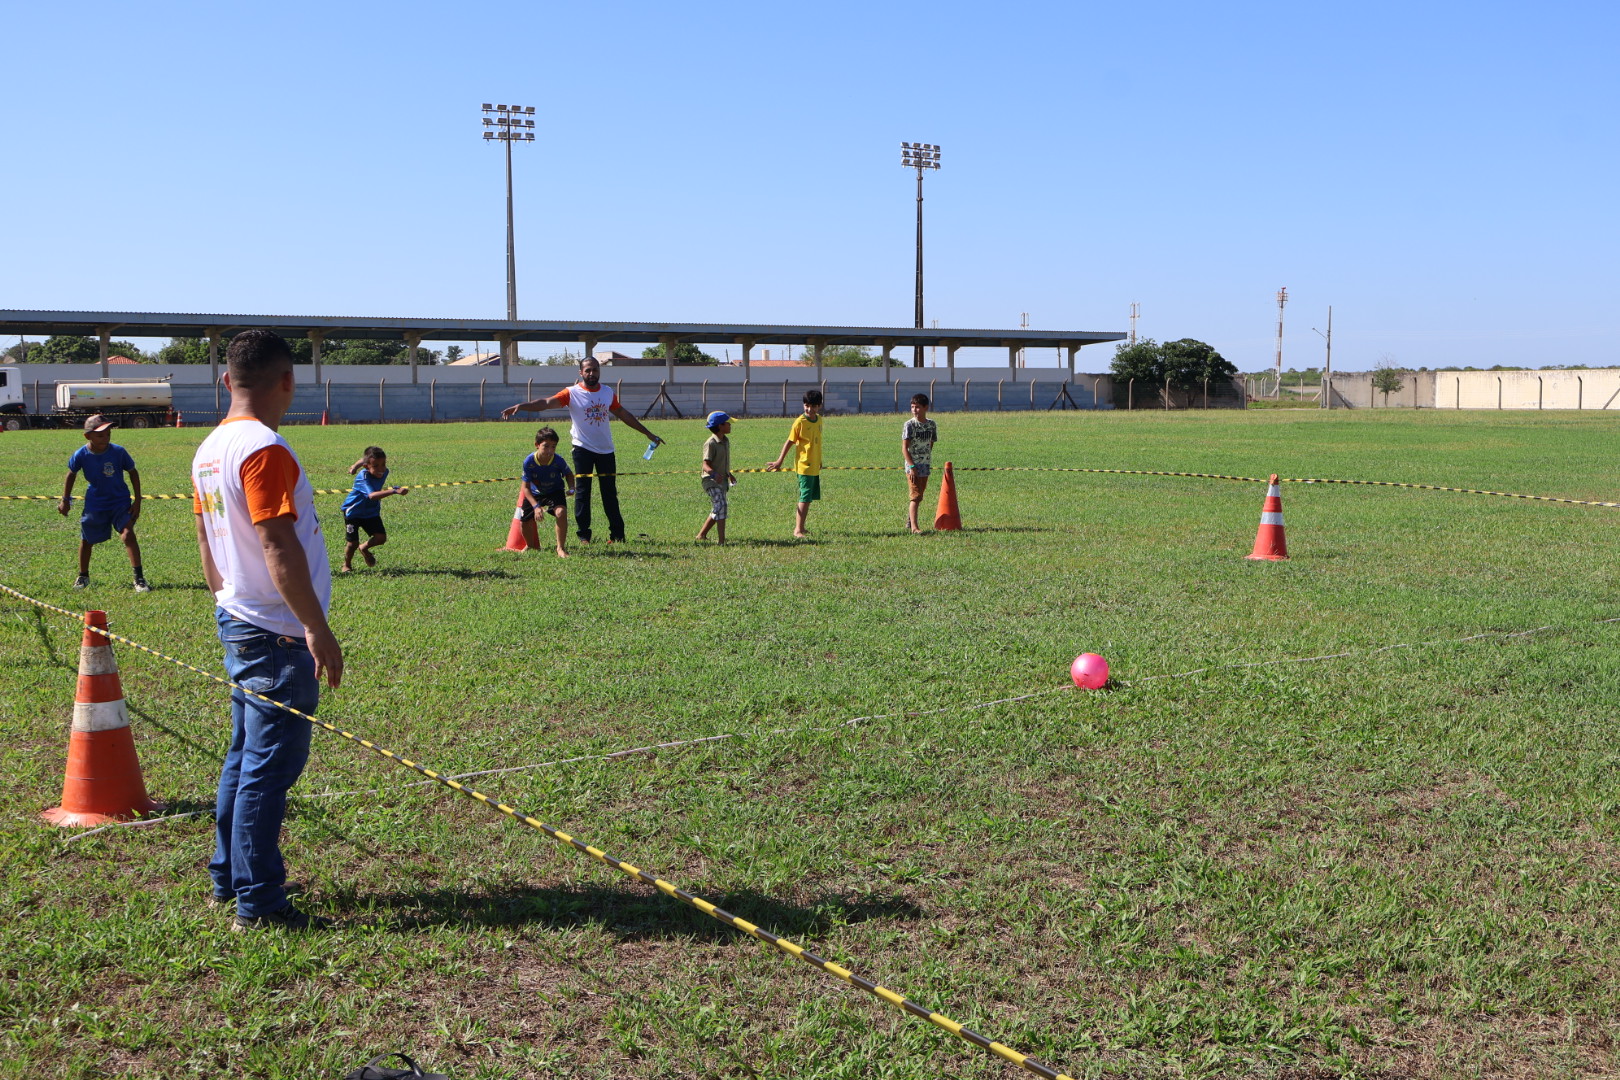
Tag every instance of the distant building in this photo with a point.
(618, 359)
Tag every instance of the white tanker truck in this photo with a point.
(144, 404)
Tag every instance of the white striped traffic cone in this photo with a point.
(1269, 542)
(523, 535)
(103, 781)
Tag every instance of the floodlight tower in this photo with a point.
(919, 156)
(1282, 302)
(509, 124)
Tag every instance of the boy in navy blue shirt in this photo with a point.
(108, 505)
(547, 484)
(362, 507)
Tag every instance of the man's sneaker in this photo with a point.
(287, 918)
(82, 581)
(141, 585)
(291, 888)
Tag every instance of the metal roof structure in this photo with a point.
(156, 324)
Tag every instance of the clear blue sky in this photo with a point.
(1443, 174)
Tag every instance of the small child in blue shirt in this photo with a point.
(362, 507)
(108, 505)
(547, 483)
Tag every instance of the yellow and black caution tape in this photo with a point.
(668, 888)
(966, 469)
(1456, 490)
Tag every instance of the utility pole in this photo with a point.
(1327, 368)
(1136, 313)
(1023, 322)
(508, 124)
(1282, 301)
(933, 350)
(919, 156)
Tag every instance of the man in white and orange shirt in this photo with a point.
(265, 561)
(591, 409)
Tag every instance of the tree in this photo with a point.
(568, 359)
(685, 353)
(1386, 377)
(66, 349)
(1185, 363)
(842, 356)
(452, 353)
(186, 350)
(22, 352)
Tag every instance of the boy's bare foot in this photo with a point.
(916, 530)
(701, 538)
(561, 554)
(800, 534)
(346, 569)
(371, 560)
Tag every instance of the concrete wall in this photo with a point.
(1587, 388)
(354, 394)
(1354, 390)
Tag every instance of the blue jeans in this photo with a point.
(269, 747)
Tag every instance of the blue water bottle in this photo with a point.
(650, 448)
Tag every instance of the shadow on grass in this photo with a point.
(44, 633)
(401, 571)
(792, 542)
(616, 551)
(627, 913)
(166, 586)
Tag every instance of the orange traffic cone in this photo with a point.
(948, 517)
(179, 419)
(1269, 542)
(523, 535)
(323, 418)
(103, 781)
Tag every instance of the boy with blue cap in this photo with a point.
(717, 475)
(108, 505)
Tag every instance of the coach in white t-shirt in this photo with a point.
(591, 409)
(264, 558)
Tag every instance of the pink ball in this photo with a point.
(1090, 671)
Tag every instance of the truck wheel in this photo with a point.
(140, 421)
(13, 423)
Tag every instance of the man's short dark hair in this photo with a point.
(545, 434)
(257, 358)
(920, 399)
(812, 397)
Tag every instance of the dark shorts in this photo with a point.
(548, 501)
(809, 488)
(352, 525)
(96, 526)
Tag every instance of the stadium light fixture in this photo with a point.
(503, 124)
(919, 156)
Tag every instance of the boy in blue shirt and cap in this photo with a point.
(108, 504)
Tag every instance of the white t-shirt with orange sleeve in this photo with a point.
(589, 413)
(242, 474)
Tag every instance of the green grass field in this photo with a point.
(1390, 864)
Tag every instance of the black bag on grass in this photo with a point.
(373, 1071)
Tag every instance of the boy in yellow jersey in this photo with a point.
(805, 437)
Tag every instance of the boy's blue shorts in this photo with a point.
(96, 526)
